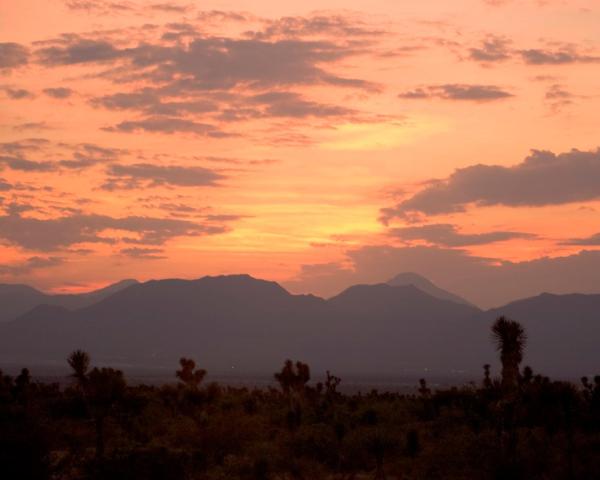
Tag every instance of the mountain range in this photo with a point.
(242, 324)
(19, 299)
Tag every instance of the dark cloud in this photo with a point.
(151, 102)
(100, 7)
(212, 63)
(473, 93)
(315, 25)
(592, 240)
(82, 155)
(5, 186)
(13, 55)
(493, 49)
(107, 7)
(79, 51)
(449, 236)
(558, 97)
(32, 263)
(24, 165)
(17, 93)
(486, 282)
(21, 127)
(143, 175)
(290, 104)
(556, 57)
(57, 233)
(225, 107)
(86, 155)
(25, 145)
(168, 125)
(170, 8)
(543, 178)
(59, 92)
(144, 253)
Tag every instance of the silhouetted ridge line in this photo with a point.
(244, 323)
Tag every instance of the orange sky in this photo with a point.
(179, 139)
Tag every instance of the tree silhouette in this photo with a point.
(105, 388)
(487, 378)
(331, 384)
(102, 389)
(189, 375)
(293, 379)
(79, 361)
(510, 339)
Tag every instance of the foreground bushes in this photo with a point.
(100, 428)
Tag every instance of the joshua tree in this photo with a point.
(190, 375)
(424, 390)
(105, 387)
(510, 339)
(487, 379)
(331, 384)
(79, 361)
(293, 378)
(101, 388)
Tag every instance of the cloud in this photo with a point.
(197, 84)
(168, 125)
(59, 92)
(212, 63)
(99, 6)
(230, 107)
(314, 25)
(141, 175)
(543, 178)
(5, 186)
(556, 57)
(32, 263)
(170, 8)
(487, 282)
(448, 235)
(151, 102)
(592, 240)
(106, 7)
(143, 253)
(473, 93)
(79, 51)
(13, 55)
(24, 165)
(558, 97)
(57, 233)
(492, 49)
(82, 155)
(17, 93)
(21, 127)
(290, 104)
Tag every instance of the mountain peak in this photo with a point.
(426, 286)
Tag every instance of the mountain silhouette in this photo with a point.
(17, 300)
(423, 284)
(240, 323)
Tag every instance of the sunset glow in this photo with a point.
(291, 140)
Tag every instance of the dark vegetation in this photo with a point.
(519, 426)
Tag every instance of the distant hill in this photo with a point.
(423, 284)
(16, 300)
(242, 324)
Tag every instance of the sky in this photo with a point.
(317, 144)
